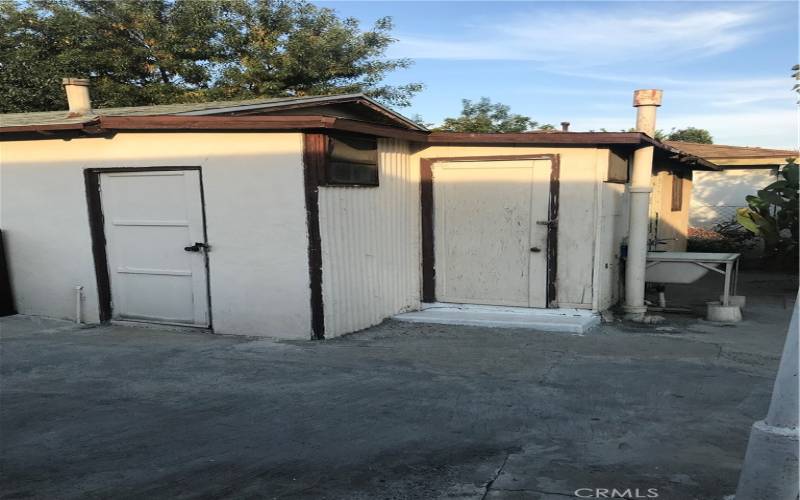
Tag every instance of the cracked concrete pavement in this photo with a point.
(396, 411)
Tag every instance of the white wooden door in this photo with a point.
(488, 246)
(150, 218)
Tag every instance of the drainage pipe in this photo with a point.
(645, 102)
(78, 304)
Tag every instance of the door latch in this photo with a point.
(553, 222)
(196, 247)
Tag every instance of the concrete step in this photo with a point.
(547, 320)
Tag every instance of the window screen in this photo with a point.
(352, 160)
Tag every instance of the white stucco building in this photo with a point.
(305, 217)
(743, 171)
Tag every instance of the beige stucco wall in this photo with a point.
(255, 216)
(371, 245)
(579, 195)
(673, 226)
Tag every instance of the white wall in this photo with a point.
(611, 231)
(371, 245)
(716, 195)
(255, 215)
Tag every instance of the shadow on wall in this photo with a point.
(717, 195)
(6, 297)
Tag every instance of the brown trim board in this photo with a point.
(552, 231)
(313, 163)
(550, 138)
(427, 211)
(178, 123)
(426, 204)
(92, 182)
(94, 205)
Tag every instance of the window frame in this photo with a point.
(676, 204)
(327, 177)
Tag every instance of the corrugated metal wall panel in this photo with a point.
(371, 245)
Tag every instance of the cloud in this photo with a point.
(577, 38)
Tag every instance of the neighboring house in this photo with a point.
(305, 217)
(744, 170)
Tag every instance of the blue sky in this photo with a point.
(724, 66)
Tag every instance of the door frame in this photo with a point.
(94, 205)
(427, 209)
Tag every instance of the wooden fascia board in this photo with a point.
(539, 138)
(53, 127)
(178, 122)
(255, 123)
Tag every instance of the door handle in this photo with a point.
(536, 249)
(553, 222)
(196, 247)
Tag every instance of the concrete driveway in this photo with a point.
(397, 411)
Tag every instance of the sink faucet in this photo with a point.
(654, 242)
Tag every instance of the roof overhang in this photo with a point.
(304, 102)
(99, 125)
(765, 162)
(535, 138)
(632, 140)
(182, 123)
(680, 159)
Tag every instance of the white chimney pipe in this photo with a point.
(77, 95)
(645, 102)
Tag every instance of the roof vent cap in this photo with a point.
(77, 90)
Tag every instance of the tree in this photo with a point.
(658, 135)
(484, 116)
(691, 134)
(420, 120)
(139, 52)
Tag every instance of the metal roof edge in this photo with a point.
(308, 100)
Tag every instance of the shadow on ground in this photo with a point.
(397, 411)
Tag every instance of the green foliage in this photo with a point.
(420, 120)
(140, 52)
(484, 116)
(773, 213)
(659, 134)
(690, 134)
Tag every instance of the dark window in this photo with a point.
(351, 160)
(677, 192)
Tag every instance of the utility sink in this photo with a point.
(684, 267)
